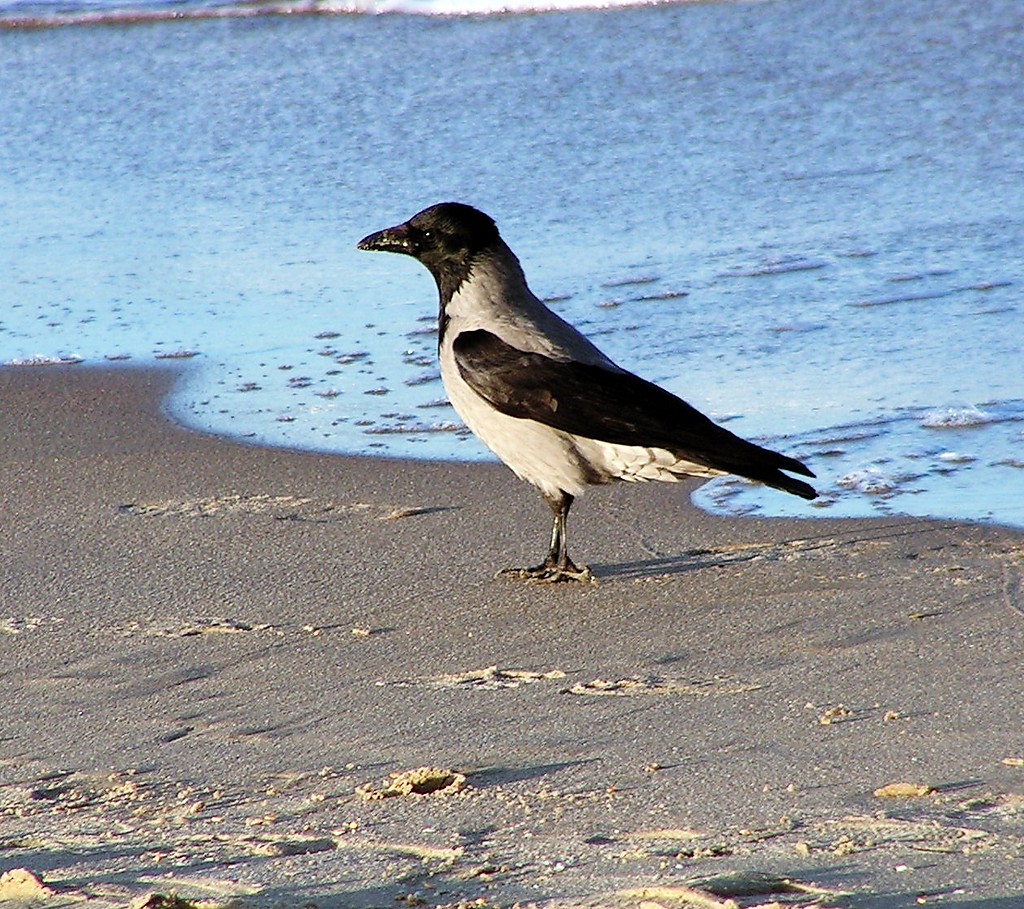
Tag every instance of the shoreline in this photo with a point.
(211, 645)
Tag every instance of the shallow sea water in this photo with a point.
(806, 218)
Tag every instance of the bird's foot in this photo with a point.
(549, 573)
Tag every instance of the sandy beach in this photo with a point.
(216, 658)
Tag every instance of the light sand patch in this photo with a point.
(194, 627)
(14, 625)
(721, 891)
(218, 505)
(857, 833)
(648, 685)
(853, 834)
(679, 834)
(903, 791)
(214, 625)
(280, 507)
(67, 792)
(421, 781)
(834, 715)
(21, 885)
(293, 845)
(489, 678)
(684, 844)
(397, 514)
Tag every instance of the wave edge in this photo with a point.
(43, 16)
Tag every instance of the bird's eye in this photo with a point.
(428, 235)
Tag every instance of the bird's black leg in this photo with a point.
(557, 566)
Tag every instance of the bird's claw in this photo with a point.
(549, 574)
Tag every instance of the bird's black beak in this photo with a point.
(391, 239)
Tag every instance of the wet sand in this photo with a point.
(214, 657)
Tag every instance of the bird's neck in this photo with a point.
(479, 289)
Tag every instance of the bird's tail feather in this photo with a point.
(790, 484)
(767, 466)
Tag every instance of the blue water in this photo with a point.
(806, 218)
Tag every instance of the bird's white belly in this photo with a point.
(536, 453)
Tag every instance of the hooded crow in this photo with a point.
(543, 398)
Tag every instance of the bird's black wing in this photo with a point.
(614, 406)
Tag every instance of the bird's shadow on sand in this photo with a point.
(724, 556)
(690, 560)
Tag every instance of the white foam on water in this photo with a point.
(45, 360)
(873, 481)
(893, 466)
(956, 418)
(42, 14)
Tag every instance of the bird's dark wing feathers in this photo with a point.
(612, 406)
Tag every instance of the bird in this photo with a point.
(543, 398)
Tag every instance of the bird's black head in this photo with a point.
(446, 238)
